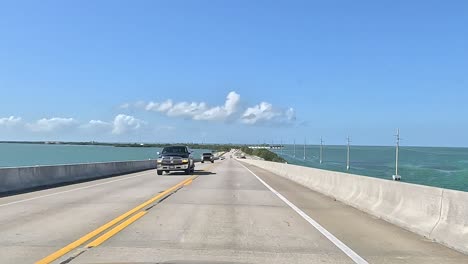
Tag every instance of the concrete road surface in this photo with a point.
(225, 215)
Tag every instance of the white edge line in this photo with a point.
(72, 190)
(348, 251)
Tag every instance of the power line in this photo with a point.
(281, 146)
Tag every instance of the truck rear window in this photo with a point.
(174, 150)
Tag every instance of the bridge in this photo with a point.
(231, 211)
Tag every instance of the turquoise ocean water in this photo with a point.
(439, 167)
(16, 155)
(432, 166)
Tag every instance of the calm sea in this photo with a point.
(439, 167)
(15, 155)
(433, 166)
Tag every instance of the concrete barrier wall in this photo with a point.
(23, 178)
(436, 213)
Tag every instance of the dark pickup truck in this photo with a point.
(207, 157)
(175, 158)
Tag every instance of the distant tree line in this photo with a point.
(263, 153)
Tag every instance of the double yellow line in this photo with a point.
(98, 241)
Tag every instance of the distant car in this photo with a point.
(242, 157)
(175, 158)
(207, 157)
(221, 158)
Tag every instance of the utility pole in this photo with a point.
(321, 150)
(305, 148)
(397, 177)
(281, 146)
(294, 148)
(347, 156)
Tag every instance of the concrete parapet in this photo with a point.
(24, 178)
(436, 213)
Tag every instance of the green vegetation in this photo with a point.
(263, 153)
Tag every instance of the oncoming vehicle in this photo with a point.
(207, 157)
(175, 158)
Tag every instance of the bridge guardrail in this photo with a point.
(25, 178)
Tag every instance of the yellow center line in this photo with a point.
(116, 229)
(98, 241)
(188, 183)
(57, 254)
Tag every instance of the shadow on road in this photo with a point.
(196, 172)
(201, 172)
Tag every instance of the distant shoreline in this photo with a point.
(214, 146)
(218, 147)
(92, 143)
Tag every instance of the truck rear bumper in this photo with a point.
(165, 167)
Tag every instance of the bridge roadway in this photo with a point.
(224, 215)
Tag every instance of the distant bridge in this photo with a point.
(267, 147)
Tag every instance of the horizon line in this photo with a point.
(210, 143)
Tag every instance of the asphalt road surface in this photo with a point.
(225, 212)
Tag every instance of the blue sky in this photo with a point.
(235, 71)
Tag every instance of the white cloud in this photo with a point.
(124, 123)
(52, 124)
(97, 125)
(221, 112)
(159, 107)
(187, 109)
(232, 102)
(10, 121)
(121, 124)
(265, 113)
(197, 110)
(262, 113)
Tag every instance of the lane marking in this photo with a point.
(137, 216)
(116, 229)
(76, 189)
(188, 183)
(345, 249)
(59, 253)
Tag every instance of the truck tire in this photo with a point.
(202, 161)
(212, 161)
(159, 172)
(187, 171)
